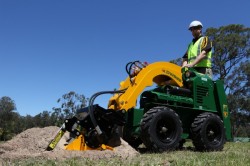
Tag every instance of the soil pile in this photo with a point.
(33, 142)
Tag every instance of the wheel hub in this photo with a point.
(163, 129)
(211, 133)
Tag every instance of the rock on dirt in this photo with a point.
(32, 144)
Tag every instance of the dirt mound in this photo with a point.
(34, 141)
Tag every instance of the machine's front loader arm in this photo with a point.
(158, 72)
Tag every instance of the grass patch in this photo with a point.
(232, 154)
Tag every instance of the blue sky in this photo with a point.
(51, 47)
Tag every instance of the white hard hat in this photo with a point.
(195, 24)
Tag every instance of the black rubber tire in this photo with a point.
(161, 129)
(208, 132)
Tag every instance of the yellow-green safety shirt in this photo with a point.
(195, 48)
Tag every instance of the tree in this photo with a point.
(7, 104)
(177, 61)
(239, 89)
(7, 117)
(231, 46)
(70, 103)
(238, 99)
(43, 119)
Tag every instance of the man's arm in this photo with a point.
(199, 58)
(206, 46)
(184, 60)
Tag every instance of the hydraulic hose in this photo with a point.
(93, 97)
(129, 68)
(91, 109)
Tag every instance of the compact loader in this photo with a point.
(184, 104)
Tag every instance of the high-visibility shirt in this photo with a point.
(194, 49)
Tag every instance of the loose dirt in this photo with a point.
(32, 144)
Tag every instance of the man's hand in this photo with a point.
(184, 62)
(188, 65)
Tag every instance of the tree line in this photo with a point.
(12, 123)
(231, 50)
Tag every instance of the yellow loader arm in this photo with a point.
(158, 72)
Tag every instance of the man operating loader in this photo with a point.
(199, 52)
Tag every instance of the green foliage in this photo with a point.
(7, 118)
(70, 103)
(11, 123)
(44, 119)
(239, 89)
(177, 61)
(7, 104)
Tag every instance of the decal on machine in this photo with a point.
(225, 111)
(171, 75)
